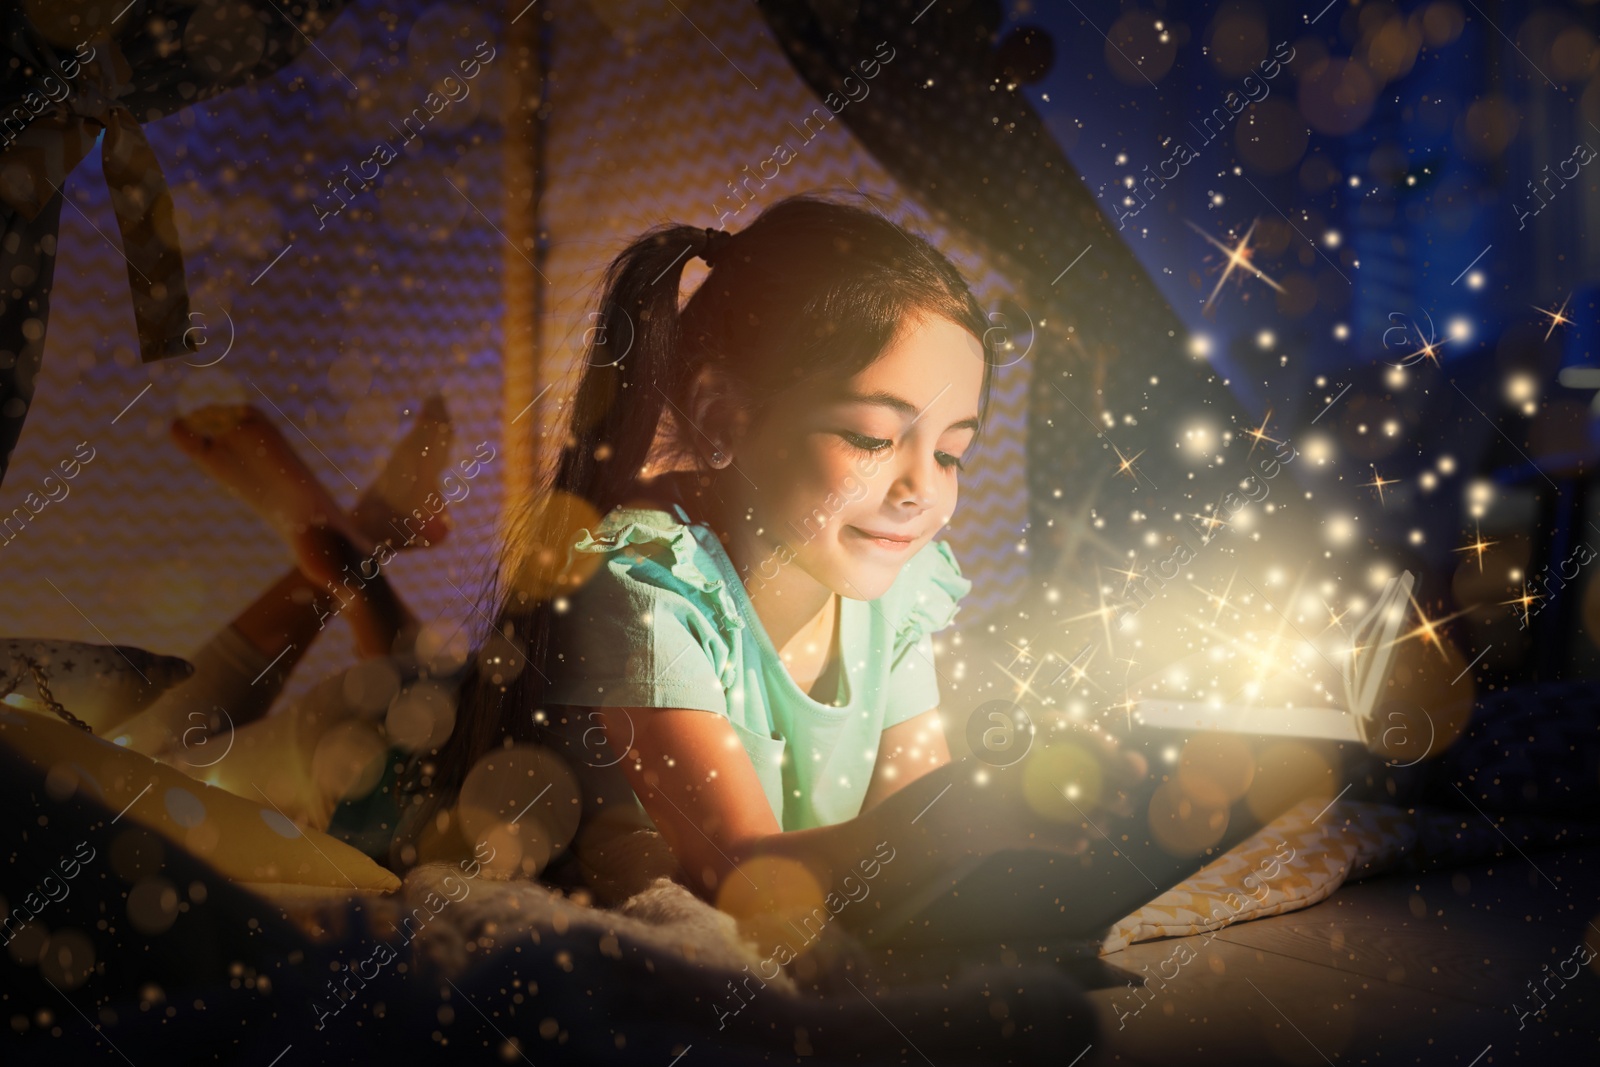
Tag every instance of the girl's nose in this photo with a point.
(915, 488)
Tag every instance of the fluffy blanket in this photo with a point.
(665, 919)
(663, 972)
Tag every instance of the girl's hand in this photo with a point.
(1056, 798)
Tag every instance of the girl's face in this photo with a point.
(878, 454)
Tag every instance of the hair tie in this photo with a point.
(711, 245)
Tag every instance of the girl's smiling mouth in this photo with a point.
(886, 541)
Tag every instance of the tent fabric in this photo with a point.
(338, 339)
(38, 160)
(955, 129)
(120, 73)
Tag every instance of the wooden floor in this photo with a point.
(1425, 969)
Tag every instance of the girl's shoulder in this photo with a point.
(647, 550)
(927, 593)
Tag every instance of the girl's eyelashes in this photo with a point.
(864, 443)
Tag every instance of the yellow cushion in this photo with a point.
(242, 838)
(100, 684)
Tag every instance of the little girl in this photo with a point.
(721, 605)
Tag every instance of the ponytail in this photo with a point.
(632, 364)
(621, 395)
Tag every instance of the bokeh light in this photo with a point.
(525, 802)
(1182, 827)
(769, 897)
(1061, 781)
(1215, 769)
(349, 760)
(422, 716)
(1288, 772)
(67, 958)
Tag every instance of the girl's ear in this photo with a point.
(702, 394)
(715, 407)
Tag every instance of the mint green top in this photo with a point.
(666, 622)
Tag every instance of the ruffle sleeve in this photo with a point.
(933, 588)
(932, 598)
(671, 547)
(650, 627)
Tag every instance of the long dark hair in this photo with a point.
(813, 289)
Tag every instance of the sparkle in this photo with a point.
(1079, 672)
(1021, 651)
(1212, 522)
(1126, 464)
(1238, 256)
(1260, 435)
(1378, 482)
(1106, 613)
(1478, 545)
(1557, 318)
(1427, 630)
(1429, 350)
(1130, 575)
(1127, 704)
(1222, 601)
(1024, 686)
(1523, 602)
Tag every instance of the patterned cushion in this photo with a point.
(1301, 857)
(1290, 863)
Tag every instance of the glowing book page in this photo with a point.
(1366, 671)
(1332, 724)
(1372, 648)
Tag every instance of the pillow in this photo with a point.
(1305, 854)
(100, 684)
(242, 839)
(1294, 861)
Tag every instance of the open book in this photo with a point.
(1365, 674)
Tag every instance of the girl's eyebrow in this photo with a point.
(905, 407)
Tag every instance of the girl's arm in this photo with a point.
(698, 786)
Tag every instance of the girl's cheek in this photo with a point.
(810, 477)
(948, 490)
(829, 470)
